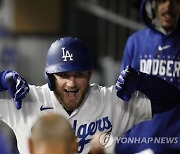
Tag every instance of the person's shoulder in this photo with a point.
(102, 91)
(97, 87)
(45, 86)
(141, 33)
(39, 89)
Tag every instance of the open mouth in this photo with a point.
(168, 15)
(71, 94)
(71, 91)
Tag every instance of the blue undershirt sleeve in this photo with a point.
(163, 95)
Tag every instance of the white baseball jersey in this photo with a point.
(101, 110)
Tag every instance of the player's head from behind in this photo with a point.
(52, 134)
(68, 71)
(162, 15)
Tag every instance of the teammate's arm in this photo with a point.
(16, 85)
(163, 95)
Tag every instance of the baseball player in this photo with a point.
(52, 134)
(90, 108)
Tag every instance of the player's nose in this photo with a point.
(71, 82)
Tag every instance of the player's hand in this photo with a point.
(127, 82)
(17, 87)
(96, 147)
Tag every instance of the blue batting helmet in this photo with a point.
(66, 55)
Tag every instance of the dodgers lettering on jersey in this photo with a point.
(167, 68)
(87, 130)
(160, 67)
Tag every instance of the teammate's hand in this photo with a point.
(127, 82)
(96, 147)
(16, 85)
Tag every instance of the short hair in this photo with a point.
(52, 128)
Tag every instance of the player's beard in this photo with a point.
(66, 105)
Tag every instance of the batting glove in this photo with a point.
(127, 82)
(16, 85)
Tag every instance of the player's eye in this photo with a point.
(79, 74)
(62, 75)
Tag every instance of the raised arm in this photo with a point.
(16, 85)
(163, 95)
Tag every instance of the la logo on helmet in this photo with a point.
(66, 55)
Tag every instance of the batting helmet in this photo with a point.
(65, 55)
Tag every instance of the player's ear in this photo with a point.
(89, 74)
(30, 145)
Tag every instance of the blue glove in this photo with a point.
(16, 85)
(127, 82)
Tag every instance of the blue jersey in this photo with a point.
(154, 52)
